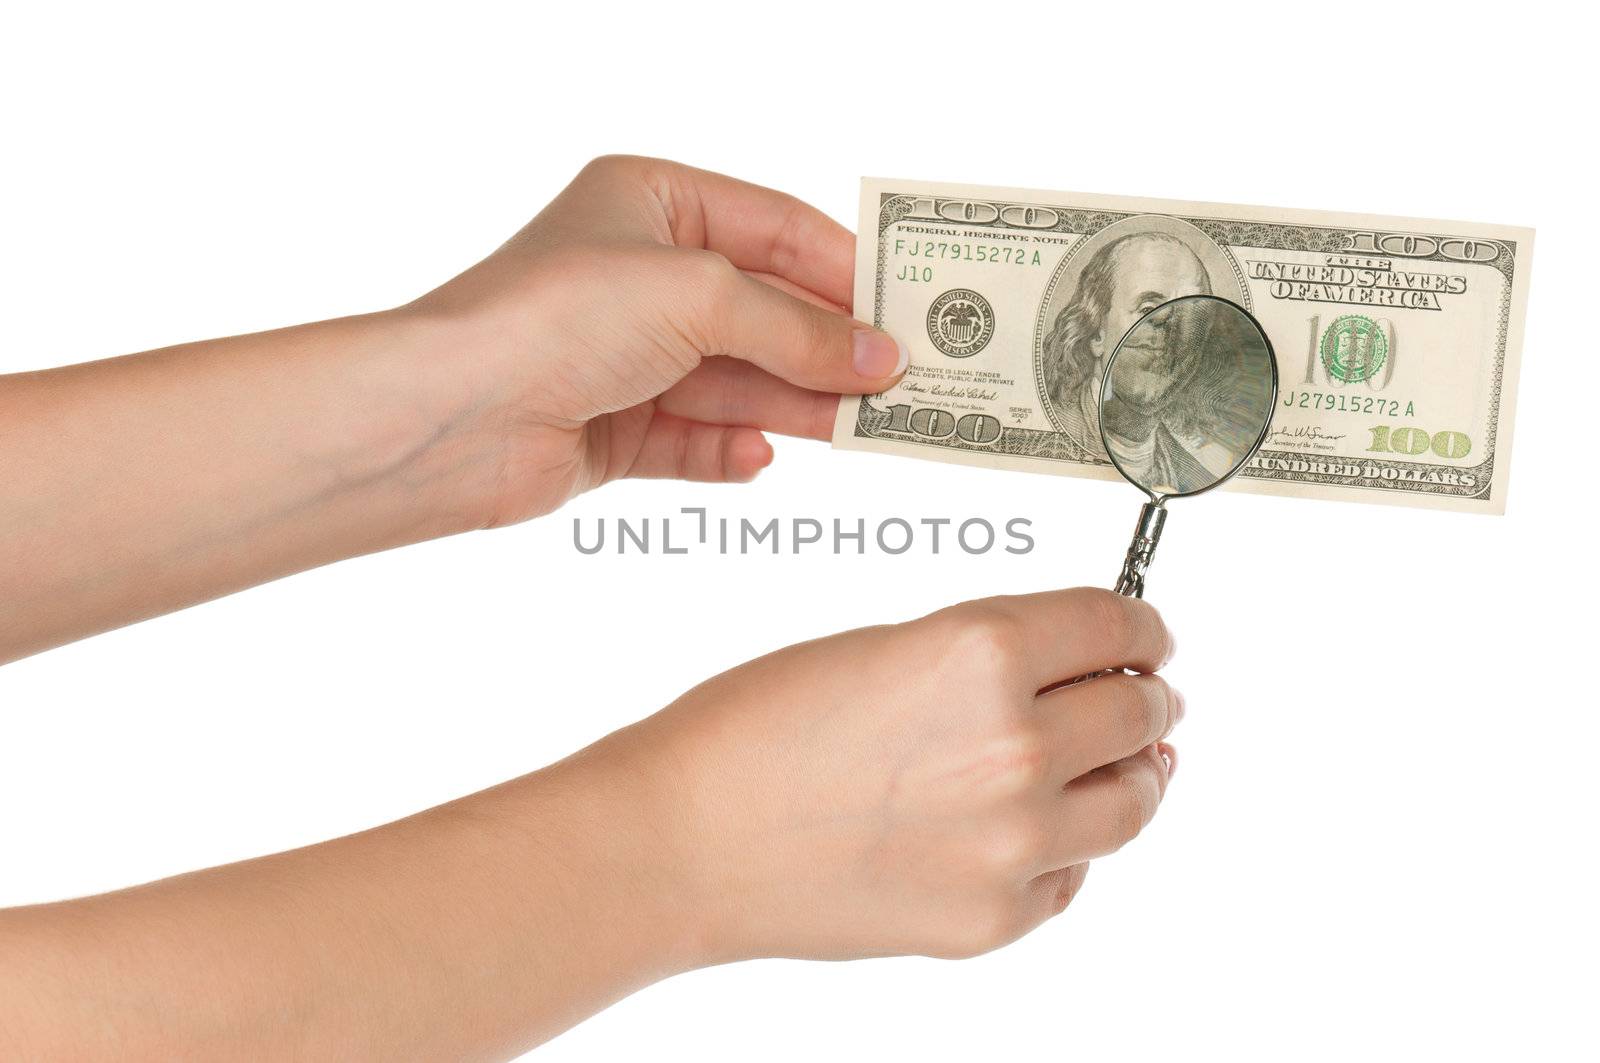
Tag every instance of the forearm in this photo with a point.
(138, 485)
(652, 321)
(476, 929)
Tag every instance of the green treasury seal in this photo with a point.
(1353, 348)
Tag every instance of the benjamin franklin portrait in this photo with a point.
(1184, 365)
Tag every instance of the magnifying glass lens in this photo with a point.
(1187, 396)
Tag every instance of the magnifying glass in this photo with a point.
(1185, 403)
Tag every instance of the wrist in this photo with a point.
(445, 437)
(602, 818)
(712, 915)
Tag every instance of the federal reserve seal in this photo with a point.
(960, 322)
(1353, 348)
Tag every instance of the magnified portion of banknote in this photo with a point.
(1398, 340)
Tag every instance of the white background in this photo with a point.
(1380, 842)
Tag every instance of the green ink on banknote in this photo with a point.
(1353, 348)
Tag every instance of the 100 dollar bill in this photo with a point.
(1397, 340)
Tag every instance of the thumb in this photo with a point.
(802, 343)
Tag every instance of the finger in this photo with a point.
(1104, 810)
(1091, 724)
(1069, 633)
(681, 449)
(757, 228)
(1046, 896)
(791, 288)
(730, 392)
(798, 341)
(1051, 892)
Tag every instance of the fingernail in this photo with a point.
(1170, 755)
(1182, 704)
(878, 355)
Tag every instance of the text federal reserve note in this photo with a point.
(1397, 340)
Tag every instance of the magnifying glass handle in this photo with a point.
(1146, 534)
(1131, 583)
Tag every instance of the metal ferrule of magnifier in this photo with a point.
(1146, 534)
